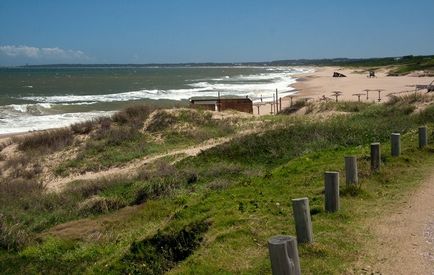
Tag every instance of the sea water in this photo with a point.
(43, 98)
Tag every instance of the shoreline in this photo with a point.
(319, 85)
(322, 83)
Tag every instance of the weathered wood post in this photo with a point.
(331, 182)
(284, 255)
(258, 108)
(274, 102)
(280, 104)
(351, 174)
(277, 101)
(375, 156)
(303, 222)
(423, 136)
(395, 142)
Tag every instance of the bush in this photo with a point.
(12, 236)
(99, 205)
(83, 128)
(294, 108)
(134, 115)
(160, 253)
(45, 141)
(161, 121)
(154, 189)
(86, 189)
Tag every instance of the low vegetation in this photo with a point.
(45, 141)
(131, 136)
(213, 213)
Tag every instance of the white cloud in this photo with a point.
(50, 54)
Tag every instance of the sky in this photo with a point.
(176, 31)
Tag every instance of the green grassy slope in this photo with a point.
(214, 213)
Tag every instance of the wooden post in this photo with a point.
(395, 142)
(280, 104)
(274, 101)
(277, 101)
(290, 105)
(218, 102)
(423, 136)
(271, 106)
(284, 255)
(375, 156)
(351, 175)
(303, 222)
(331, 184)
(258, 108)
(261, 97)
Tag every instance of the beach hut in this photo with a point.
(241, 104)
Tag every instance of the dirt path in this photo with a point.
(405, 239)
(58, 183)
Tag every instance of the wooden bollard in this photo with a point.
(331, 184)
(284, 255)
(395, 143)
(375, 156)
(423, 137)
(303, 222)
(351, 174)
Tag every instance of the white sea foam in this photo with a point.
(253, 86)
(32, 123)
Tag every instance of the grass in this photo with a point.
(45, 141)
(126, 141)
(241, 189)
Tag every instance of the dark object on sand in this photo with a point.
(371, 74)
(336, 74)
(429, 87)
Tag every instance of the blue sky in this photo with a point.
(166, 31)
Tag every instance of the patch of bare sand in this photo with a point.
(321, 82)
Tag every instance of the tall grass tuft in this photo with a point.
(134, 115)
(45, 141)
(83, 128)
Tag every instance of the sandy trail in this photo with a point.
(57, 184)
(405, 238)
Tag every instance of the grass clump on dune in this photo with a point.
(45, 141)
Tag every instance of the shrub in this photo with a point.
(294, 108)
(161, 121)
(105, 123)
(83, 128)
(134, 115)
(12, 236)
(12, 189)
(160, 253)
(45, 141)
(90, 188)
(154, 189)
(158, 169)
(99, 205)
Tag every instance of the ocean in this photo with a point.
(43, 98)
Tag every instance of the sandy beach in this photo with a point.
(321, 83)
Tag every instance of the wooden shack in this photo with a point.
(241, 104)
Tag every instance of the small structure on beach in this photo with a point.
(336, 94)
(241, 104)
(336, 74)
(371, 74)
(429, 87)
